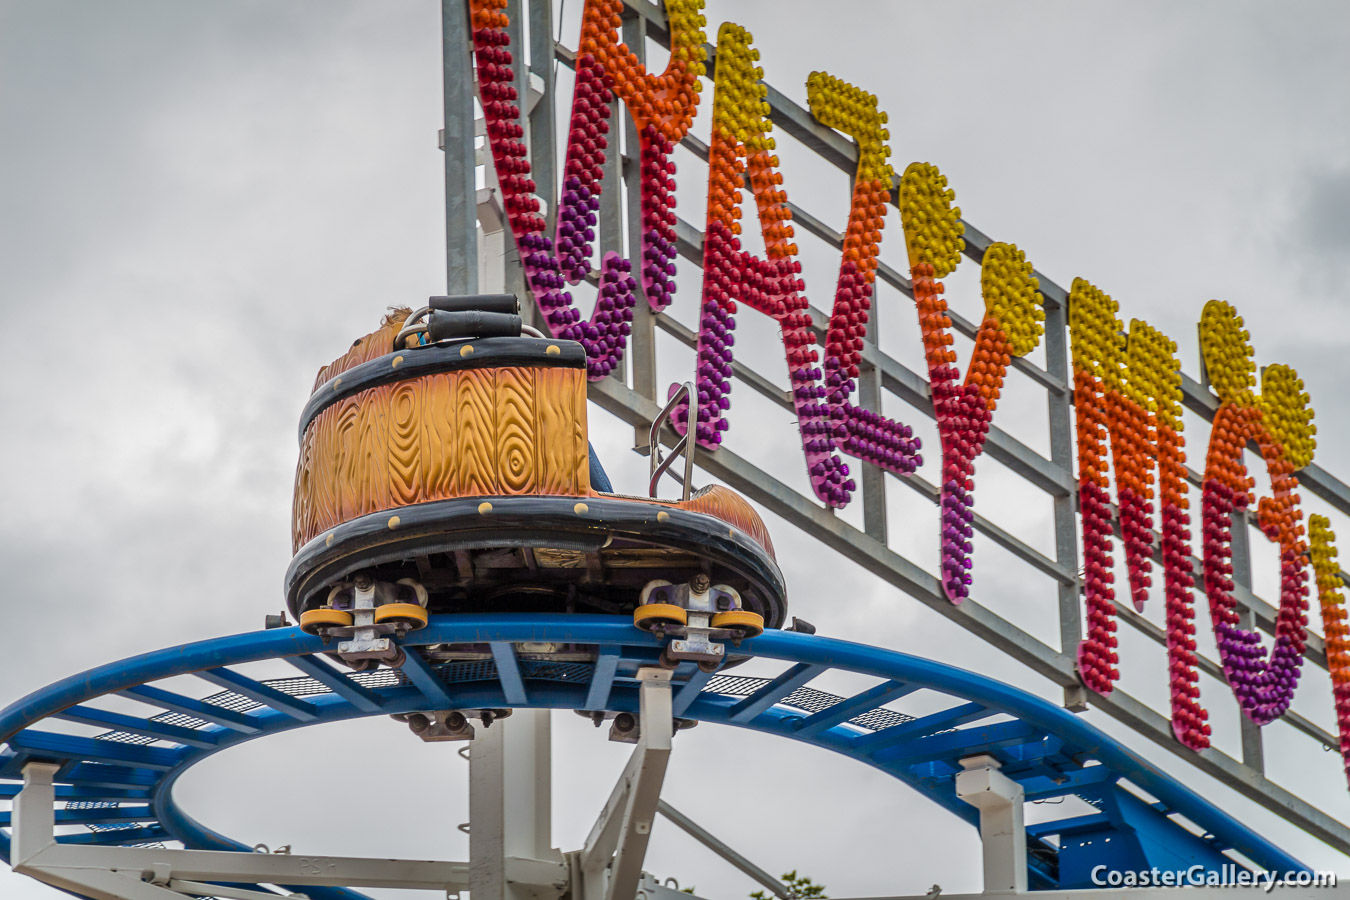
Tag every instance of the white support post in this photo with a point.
(657, 724)
(618, 840)
(510, 810)
(1002, 827)
(34, 816)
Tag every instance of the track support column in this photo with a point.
(609, 867)
(510, 809)
(1002, 829)
(34, 817)
(461, 235)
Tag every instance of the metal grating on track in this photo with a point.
(735, 685)
(125, 737)
(571, 672)
(808, 700)
(472, 670)
(108, 827)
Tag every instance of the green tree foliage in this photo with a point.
(799, 888)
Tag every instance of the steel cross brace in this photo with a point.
(131, 873)
(704, 837)
(617, 844)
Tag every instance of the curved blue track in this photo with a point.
(120, 784)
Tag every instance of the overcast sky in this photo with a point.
(202, 203)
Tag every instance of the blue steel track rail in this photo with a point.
(119, 784)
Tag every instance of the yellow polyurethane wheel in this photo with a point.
(649, 615)
(311, 620)
(411, 613)
(751, 623)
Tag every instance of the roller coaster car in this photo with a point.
(445, 468)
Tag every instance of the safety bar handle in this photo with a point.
(507, 304)
(683, 445)
(465, 316)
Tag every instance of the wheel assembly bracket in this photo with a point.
(450, 724)
(369, 614)
(699, 617)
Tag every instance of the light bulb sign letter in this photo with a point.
(1127, 385)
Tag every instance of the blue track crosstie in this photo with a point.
(120, 784)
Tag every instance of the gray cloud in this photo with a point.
(1318, 231)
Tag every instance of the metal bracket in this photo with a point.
(435, 725)
(368, 641)
(697, 639)
(364, 643)
(440, 725)
(1076, 698)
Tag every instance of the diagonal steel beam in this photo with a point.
(705, 837)
(645, 790)
(618, 840)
